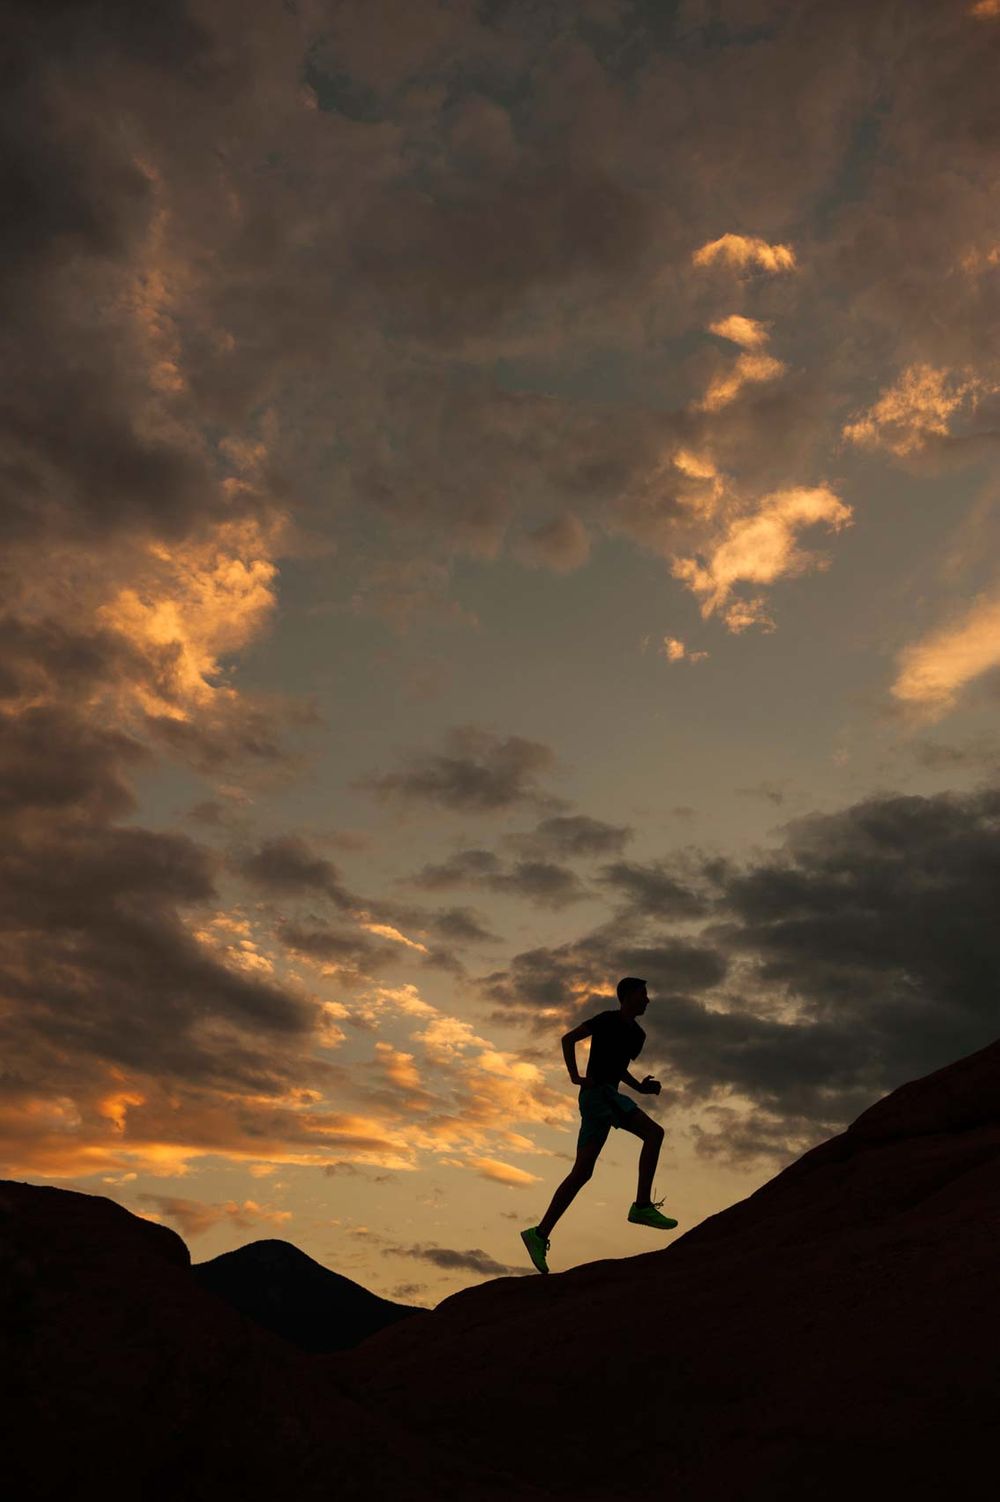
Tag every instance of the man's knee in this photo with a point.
(583, 1168)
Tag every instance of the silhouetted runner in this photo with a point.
(616, 1039)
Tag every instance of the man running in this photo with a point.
(616, 1039)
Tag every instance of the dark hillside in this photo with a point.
(837, 1330)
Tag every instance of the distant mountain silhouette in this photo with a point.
(833, 1336)
(284, 1290)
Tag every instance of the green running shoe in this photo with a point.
(537, 1247)
(649, 1215)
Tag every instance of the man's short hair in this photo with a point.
(628, 984)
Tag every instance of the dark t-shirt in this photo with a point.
(614, 1041)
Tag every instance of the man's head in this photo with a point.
(632, 996)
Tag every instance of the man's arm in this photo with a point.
(569, 1042)
(648, 1086)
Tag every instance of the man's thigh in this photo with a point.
(639, 1124)
(588, 1148)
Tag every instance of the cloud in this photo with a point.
(674, 650)
(551, 987)
(474, 1260)
(656, 888)
(479, 773)
(758, 548)
(181, 312)
(503, 1173)
(742, 251)
(463, 924)
(932, 672)
(750, 333)
(916, 411)
(860, 952)
(726, 385)
(287, 863)
(562, 544)
(398, 1067)
(407, 1291)
(464, 866)
(569, 836)
(195, 1217)
(541, 881)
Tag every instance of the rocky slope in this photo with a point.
(121, 1377)
(835, 1334)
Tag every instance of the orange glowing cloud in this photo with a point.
(746, 332)
(195, 603)
(674, 650)
(398, 1066)
(115, 1107)
(746, 250)
(195, 1217)
(917, 409)
(746, 371)
(932, 672)
(386, 931)
(502, 1173)
(758, 549)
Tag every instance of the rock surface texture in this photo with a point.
(836, 1334)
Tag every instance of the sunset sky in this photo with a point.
(499, 495)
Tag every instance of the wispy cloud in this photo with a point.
(195, 1217)
(916, 410)
(932, 672)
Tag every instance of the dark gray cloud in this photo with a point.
(100, 967)
(287, 865)
(51, 759)
(462, 924)
(407, 1291)
(350, 950)
(478, 773)
(464, 866)
(568, 835)
(474, 1260)
(880, 920)
(656, 889)
(862, 952)
(543, 978)
(539, 881)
